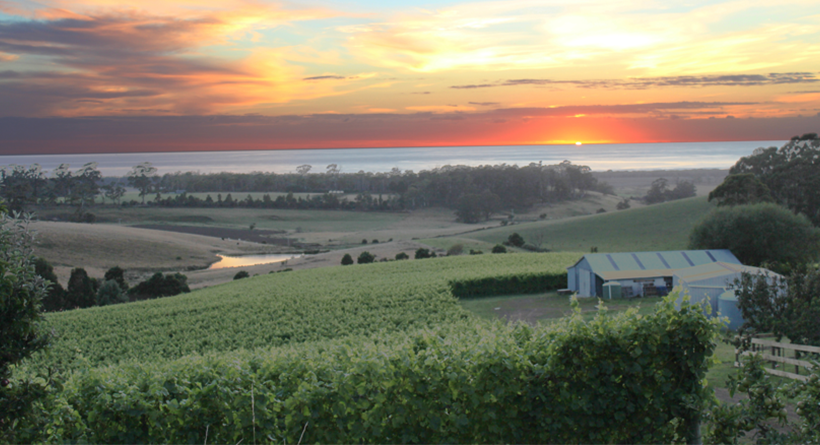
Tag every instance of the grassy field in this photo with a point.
(658, 227)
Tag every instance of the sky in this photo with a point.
(90, 76)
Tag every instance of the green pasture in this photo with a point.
(238, 218)
(236, 196)
(663, 226)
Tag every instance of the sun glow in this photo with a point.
(578, 143)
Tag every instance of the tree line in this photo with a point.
(475, 192)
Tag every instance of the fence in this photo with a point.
(778, 356)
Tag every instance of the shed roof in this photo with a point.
(655, 261)
(718, 269)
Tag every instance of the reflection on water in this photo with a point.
(249, 260)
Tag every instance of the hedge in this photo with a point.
(508, 284)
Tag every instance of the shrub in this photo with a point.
(160, 286)
(21, 292)
(498, 248)
(365, 258)
(455, 249)
(241, 274)
(601, 210)
(758, 234)
(508, 285)
(375, 241)
(475, 252)
(422, 253)
(111, 293)
(364, 241)
(623, 205)
(542, 216)
(347, 260)
(402, 256)
(515, 240)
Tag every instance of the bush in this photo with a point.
(498, 248)
(402, 256)
(455, 249)
(364, 241)
(21, 293)
(160, 286)
(111, 293)
(515, 240)
(758, 234)
(623, 205)
(375, 241)
(422, 253)
(241, 274)
(347, 260)
(475, 252)
(365, 258)
(601, 210)
(508, 285)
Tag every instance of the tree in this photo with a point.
(86, 186)
(142, 177)
(365, 258)
(114, 192)
(111, 293)
(758, 234)
(347, 260)
(81, 291)
(241, 274)
(455, 249)
(160, 286)
(402, 256)
(623, 205)
(657, 191)
(741, 189)
(21, 294)
(117, 274)
(422, 253)
(787, 308)
(791, 173)
(515, 240)
(55, 298)
(498, 248)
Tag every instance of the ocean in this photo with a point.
(599, 157)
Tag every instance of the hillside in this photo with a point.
(663, 226)
(281, 308)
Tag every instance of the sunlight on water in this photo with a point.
(249, 260)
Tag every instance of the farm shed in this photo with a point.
(710, 281)
(639, 273)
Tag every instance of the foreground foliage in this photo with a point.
(21, 330)
(622, 378)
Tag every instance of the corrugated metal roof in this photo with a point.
(649, 261)
(635, 274)
(718, 269)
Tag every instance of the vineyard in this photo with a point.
(620, 378)
(289, 308)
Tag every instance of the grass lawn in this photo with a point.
(663, 226)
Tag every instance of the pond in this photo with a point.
(249, 260)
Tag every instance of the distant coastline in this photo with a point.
(599, 157)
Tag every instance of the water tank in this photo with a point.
(727, 306)
(612, 289)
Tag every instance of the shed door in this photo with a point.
(584, 288)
